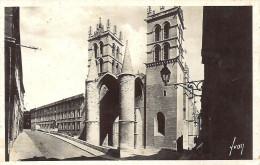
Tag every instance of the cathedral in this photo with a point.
(129, 111)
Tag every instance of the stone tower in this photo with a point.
(127, 103)
(92, 105)
(164, 103)
(106, 46)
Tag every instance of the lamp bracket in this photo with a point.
(194, 88)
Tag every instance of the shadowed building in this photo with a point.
(14, 89)
(227, 89)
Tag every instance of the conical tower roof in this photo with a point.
(92, 73)
(127, 63)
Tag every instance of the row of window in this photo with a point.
(158, 32)
(98, 50)
(63, 126)
(115, 67)
(56, 107)
(69, 126)
(161, 53)
(58, 116)
(115, 51)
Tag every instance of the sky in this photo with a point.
(59, 68)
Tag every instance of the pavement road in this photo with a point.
(52, 148)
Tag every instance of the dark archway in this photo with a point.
(109, 110)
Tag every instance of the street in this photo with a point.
(35, 145)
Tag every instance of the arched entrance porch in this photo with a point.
(108, 88)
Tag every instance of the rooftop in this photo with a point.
(60, 101)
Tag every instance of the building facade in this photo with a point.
(136, 110)
(14, 89)
(164, 46)
(227, 94)
(64, 116)
(129, 111)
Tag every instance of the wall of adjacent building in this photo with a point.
(14, 89)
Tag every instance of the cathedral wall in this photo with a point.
(157, 102)
(126, 116)
(180, 116)
(172, 34)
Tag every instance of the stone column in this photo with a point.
(126, 117)
(92, 114)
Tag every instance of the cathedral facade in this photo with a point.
(129, 111)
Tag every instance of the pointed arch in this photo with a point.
(117, 68)
(157, 52)
(139, 86)
(166, 50)
(108, 88)
(100, 65)
(157, 32)
(107, 77)
(113, 49)
(166, 30)
(95, 47)
(101, 47)
(159, 124)
(117, 52)
(113, 66)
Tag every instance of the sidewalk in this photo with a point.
(24, 148)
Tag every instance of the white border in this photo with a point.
(59, 3)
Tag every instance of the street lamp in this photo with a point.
(193, 87)
(165, 74)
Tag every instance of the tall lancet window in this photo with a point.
(101, 65)
(166, 48)
(166, 29)
(157, 52)
(95, 50)
(113, 67)
(117, 69)
(113, 49)
(101, 45)
(117, 52)
(159, 124)
(157, 33)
